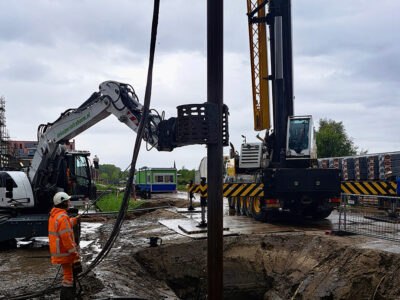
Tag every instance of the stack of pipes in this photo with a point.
(348, 168)
(361, 172)
(337, 163)
(384, 166)
(330, 162)
(373, 167)
(389, 165)
(324, 163)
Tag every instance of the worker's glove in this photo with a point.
(77, 266)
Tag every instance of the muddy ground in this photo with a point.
(264, 261)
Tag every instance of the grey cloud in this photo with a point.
(382, 66)
(100, 23)
(345, 59)
(24, 70)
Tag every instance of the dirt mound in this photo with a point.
(282, 266)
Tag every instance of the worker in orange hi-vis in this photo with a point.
(63, 248)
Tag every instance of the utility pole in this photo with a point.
(214, 151)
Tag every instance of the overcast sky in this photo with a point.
(54, 54)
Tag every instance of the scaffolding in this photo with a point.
(5, 150)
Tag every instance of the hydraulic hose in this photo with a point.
(147, 97)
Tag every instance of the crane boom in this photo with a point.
(259, 65)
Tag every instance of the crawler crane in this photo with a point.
(279, 175)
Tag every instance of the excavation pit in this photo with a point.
(279, 266)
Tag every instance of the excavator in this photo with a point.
(277, 176)
(26, 198)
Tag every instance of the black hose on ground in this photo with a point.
(125, 202)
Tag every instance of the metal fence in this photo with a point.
(370, 215)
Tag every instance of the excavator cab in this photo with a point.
(78, 177)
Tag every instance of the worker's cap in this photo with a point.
(60, 197)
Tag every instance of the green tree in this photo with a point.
(103, 177)
(111, 173)
(333, 141)
(115, 176)
(185, 175)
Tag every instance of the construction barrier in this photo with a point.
(366, 215)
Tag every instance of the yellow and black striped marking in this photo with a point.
(233, 190)
(378, 188)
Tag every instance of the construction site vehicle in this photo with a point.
(279, 174)
(26, 199)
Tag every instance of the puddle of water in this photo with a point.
(94, 249)
(180, 195)
(83, 244)
(36, 242)
(381, 245)
(90, 228)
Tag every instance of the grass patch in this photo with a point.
(108, 187)
(181, 187)
(111, 202)
(104, 187)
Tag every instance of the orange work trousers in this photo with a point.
(68, 280)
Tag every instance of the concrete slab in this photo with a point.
(186, 211)
(187, 227)
(239, 224)
(192, 227)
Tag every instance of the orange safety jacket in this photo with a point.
(61, 237)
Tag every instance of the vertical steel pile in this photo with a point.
(214, 151)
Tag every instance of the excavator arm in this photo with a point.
(195, 124)
(114, 98)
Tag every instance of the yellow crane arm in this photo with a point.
(259, 67)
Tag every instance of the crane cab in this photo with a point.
(300, 142)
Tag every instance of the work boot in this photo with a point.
(67, 293)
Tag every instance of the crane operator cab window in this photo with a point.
(300, 136)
